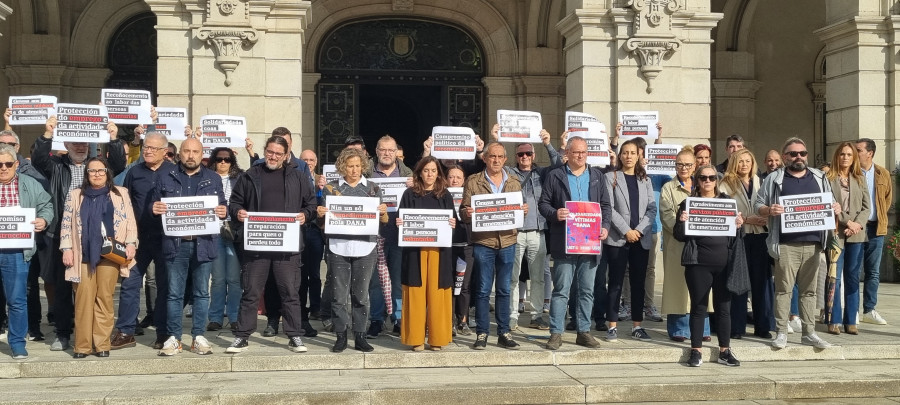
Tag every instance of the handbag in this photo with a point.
(739, 279)
(112, 249)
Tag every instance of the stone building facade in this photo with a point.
(822, 70)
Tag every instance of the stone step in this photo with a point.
(856, 381)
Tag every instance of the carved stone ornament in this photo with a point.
(402, 5)
(653, 40)
(227, 43)
(227, 7)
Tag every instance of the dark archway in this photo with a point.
(131, 56)
(399, 77)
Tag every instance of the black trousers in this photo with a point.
(255, 268)
(700, 280)
(63, 305)
(461, 301)
(631, 257)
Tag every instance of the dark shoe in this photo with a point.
(79, 355)
(314, 315)
(506, 341)
(678, 339)
(555, 341)
(763, 334)
(35, 336)
(360, 343)
(396, 329)
(375, 328)
(237, 346)
(571, 325)
(308, 330)
(213, 326)
(121, 341)
(601, 326)
(341, 343)
(160, 342)
(59, 344)
(138, 331)
(104, 353)
(480, 341)
(147, 321)
(270, 331)
(585, 339)
(463, 329)
(707, 338)
(51, 320)
(696, 358)
(728, 359)
(234, 326)
(328, 325)
(737, 336)
(640, 334)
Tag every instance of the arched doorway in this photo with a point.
(131, 57)
(399, 77)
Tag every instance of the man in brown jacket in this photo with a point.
(493, 251)
(878, 180)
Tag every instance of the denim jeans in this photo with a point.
(394, 256)
(680, 325)
(579, 269)
(493, 264)
(872, 267)
(847, 269)
(185, 265)
(130, 291)
(14, 273)
(225, 292)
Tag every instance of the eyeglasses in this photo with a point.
(170, 155)
(95, 172)
(7, 165)
(154, 149)
(13, 144)
(794, 153)
(220, 159)
(684, 165)
(523, 154)
(707, 178)
(274, 154)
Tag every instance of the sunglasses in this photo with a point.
(170, 155)
(707, 178)
(794, 154)
(523, 154)
(7, 165)
(222, 159)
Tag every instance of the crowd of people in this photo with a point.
(84, 201)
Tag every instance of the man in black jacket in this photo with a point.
(66, 172)
(575, 181)
(273, 187)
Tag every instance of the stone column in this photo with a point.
(233, 57)
(641, 55)
(5, 11)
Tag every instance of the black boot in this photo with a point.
(341, 343)
(360, 343)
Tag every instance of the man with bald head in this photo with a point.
(188, 256)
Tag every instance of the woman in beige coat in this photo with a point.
(96, 209)
(675, 298)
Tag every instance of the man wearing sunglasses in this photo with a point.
(796, 254)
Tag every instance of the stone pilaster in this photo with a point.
(734, 110)
(5, 11)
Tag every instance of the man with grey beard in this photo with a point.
(66, 172)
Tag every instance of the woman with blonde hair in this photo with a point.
(848, 186)
(742, 183)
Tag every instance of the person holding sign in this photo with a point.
(462, 253)
(96, 210)
(706, 259)
(19, 191)
(630, 237)
(796, 254)
(848, 185)
(225, 287)
(275, 187)
(189, 256)
(575, 181)
(66, 173)
(494, 251)
(427, 276)
(351, 258)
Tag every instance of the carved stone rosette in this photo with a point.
(226, 43)
(653, 40)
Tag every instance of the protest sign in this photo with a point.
(31, 110)
(351, 215)
(16, 228)
(272, 232)
(661, 158)
(711, 217)
(171, 122)
(583, 227)
(392, 189)
(497, 212)
(224, 130)
(425, 228)
(453, 143)
(639, 124)
(457, 193)
(127, 106)
(330, 173)
(189, 216)
(519, 126)
(807, 212)
(81, 123)
(460, 275)
(594, 133)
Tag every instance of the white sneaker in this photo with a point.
(815, 341)
(795, 325)
(171, 347)
(873, 317)
(201, 346)
(780, 341)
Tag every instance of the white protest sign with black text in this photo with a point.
(351, 215)
(171, 122)
(457, 193)
(127, 106)
(497, 212)
(16, 228)
(31, 110)
(189, 216)
(224, 130)
(519, 126)
(807, 212)
(81, 123)
(453, 143)
(661, 158)
(425, 228)
(639, 124)
(594, 134)
(330, 173)
(711, 217)
(392, 189)
(271, 232)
